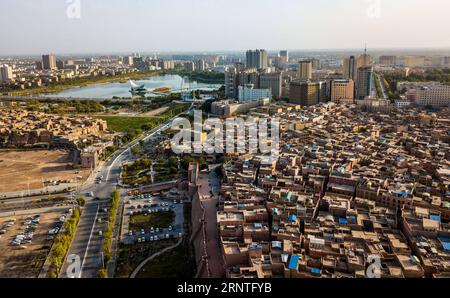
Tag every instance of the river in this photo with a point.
(110, 90)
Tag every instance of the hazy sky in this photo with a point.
(109, 26)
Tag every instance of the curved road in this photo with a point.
(143, 263)
(87, 243)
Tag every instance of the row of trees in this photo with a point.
(65, 107)
(62, 243)
(201, 76)
(108, 235)
(438, 75)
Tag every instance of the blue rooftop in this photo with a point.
(343, 221)
(400, 193)
(446, 246)
(435, 218)
(293, 262)
(445, 243)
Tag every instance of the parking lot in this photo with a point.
(26, 240)
(151, 206)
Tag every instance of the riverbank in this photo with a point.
(84, 82)
(200, 77)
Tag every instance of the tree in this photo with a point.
(136, 149)
(102, 273)
(81, 202)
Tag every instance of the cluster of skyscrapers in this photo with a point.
(261, 75)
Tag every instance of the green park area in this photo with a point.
(176, 263)
(156, 220)
(130, 124)
(138, 173)
(131, 255)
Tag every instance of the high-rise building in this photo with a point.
(305, 70)
(231, 84)
(414, 61)
(434, 95)
(284, 55)
(315, 63)
(128, 60)
(200, 65)
(167, 64)
(365, 60)
(257, 59)
(39, 65)
(364, 85)
(272, 81)
(143, 64)
(343, 91)
(446, 61)
(60, 64)
(189, 66)
(308, 93)
(235, 78)
(388, 60)
(6, 73)
(350, 68)
(49, 61)
(248, 92)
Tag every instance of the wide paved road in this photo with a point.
(87, 243)
(383, 87)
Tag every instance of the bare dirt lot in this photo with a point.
(18, 168)
(26, 262)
